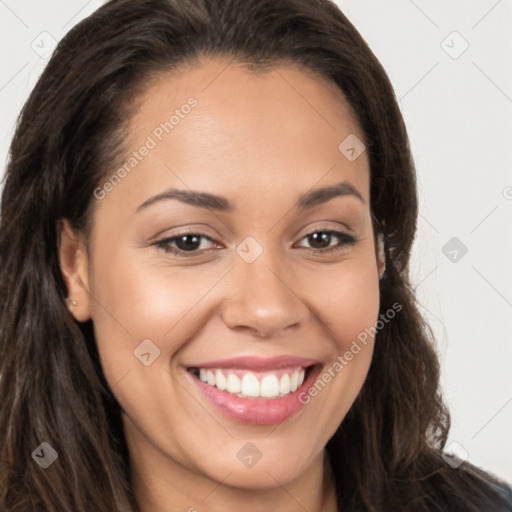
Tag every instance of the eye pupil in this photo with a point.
(188, 242)
(320, 238)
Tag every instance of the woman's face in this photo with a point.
(271, 279)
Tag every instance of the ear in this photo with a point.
(74, 267)
(380, 254)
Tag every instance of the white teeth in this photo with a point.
(210, 378)
(252, 385)
(302, 373)
(269, 386)
(294, 380)
(234, 384)
(284, 384)
(220, 380)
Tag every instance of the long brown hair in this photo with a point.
(386, 454)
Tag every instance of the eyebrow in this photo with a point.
(219, 203)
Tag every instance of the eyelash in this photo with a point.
(345, 241)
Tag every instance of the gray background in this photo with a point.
(457, 104)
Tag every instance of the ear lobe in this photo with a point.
(74, 268)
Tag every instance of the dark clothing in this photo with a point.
(506, 491)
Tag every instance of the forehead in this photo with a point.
(216, 125)
(286, 92)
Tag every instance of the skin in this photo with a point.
(260, 140)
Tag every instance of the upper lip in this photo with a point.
(259, 363)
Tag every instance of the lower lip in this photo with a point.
(259, 411)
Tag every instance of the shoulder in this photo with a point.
(496, 485)
(465, 488)
(505, 491)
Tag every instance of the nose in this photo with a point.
(262, 300)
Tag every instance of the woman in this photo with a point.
(207, 220)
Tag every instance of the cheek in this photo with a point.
(349, 308)
(346, 302)
(346, 299)
(139, 299)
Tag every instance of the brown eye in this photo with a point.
(188, 242)
(180, 245)
(321, 241)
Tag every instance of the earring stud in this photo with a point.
(71, 302)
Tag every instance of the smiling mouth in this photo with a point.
(245, 383)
